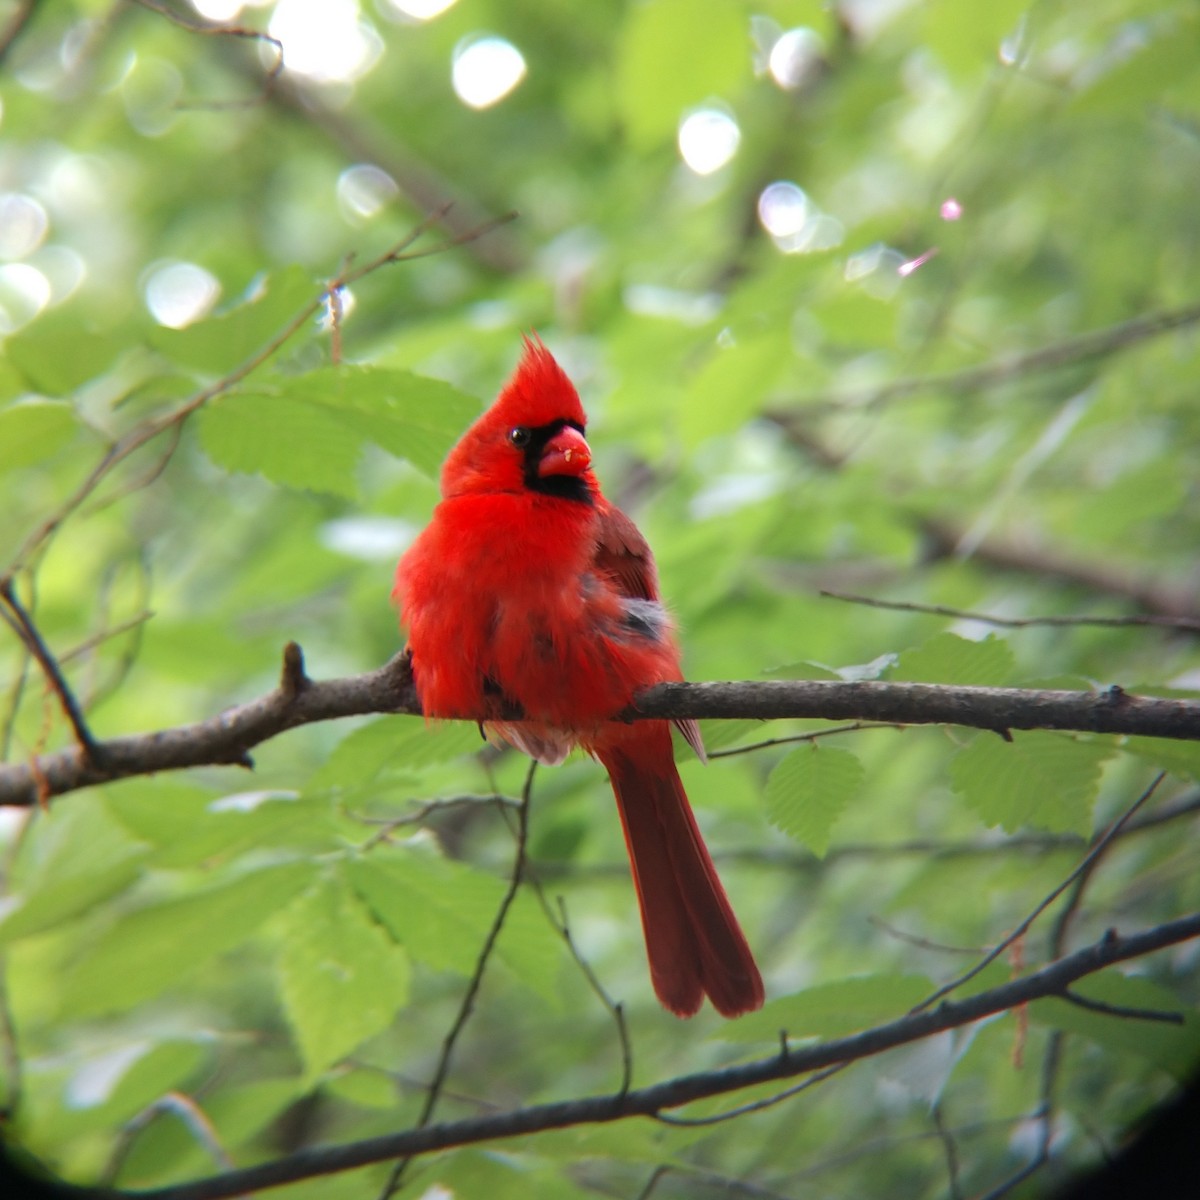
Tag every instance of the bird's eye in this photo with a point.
(519, 437)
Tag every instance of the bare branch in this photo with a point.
(673, 1093)
(228, 738)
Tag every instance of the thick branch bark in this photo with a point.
(228, 737)
(1052, 980)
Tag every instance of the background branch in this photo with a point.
(684, 1089)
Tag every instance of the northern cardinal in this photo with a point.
(530, 593)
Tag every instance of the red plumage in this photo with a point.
(529, 592)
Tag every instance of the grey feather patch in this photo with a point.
(644, 618)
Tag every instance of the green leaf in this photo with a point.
(1181, 759)
(442, 912)
(152, 948)
(948, 658)
(219, 344)
(120, 1082)
(342, 978)
(283, 438)
(56, 356)
(308, 431)
(673, 55)
(731, 387)
(1044, 779)
(967, 37)
(404, 744)
(190, 825)
(832, 1009)
(76, 857)
(411, 416)
(808, 790)
(33, 430)
(1171, 1047)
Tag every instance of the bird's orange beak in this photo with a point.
(566, 453)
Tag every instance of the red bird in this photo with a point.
(529, 592)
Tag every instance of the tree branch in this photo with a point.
(684, 1089)
(227, 738)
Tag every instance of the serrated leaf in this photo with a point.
(831, 1009)
(33, 430)
(808, 790)
(1169, 1046)
(190, 825)
(442, 912)
(283, 438)
(56, 355)
(411, 416)
(148, 950)
(391, 743)
(1181, 759)
(342, 978)
(78, 855)
(216, 345)
(948, 658)
(308, 431)
(1043, 779)
(670, 57)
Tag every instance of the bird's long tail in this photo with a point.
(693, 940)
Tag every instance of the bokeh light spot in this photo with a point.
(420, 10)
(363, 190)
(782, 209)
(178, 293)
(24, 292)
(326, 40)
(485, 70)
(219, 10)
(23, 225)
(708, 139)
(796, 57)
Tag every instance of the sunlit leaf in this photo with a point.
(809, 789)
(343, 978)
(948, 658)
(152, 948)
(671, 56)
(1048, 780)
(33, 430)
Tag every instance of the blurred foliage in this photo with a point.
(781, 413)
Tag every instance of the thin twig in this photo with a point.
(193, 1118)
(396, 1178)
(309, 1163)
(753, 1106)
(36, 645)
(1190, 624)
(1081, 871)
(1096, 343)
(146, 432)
(947, 1139)
(214, 29)
(1124, 1011)
(814, 736)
